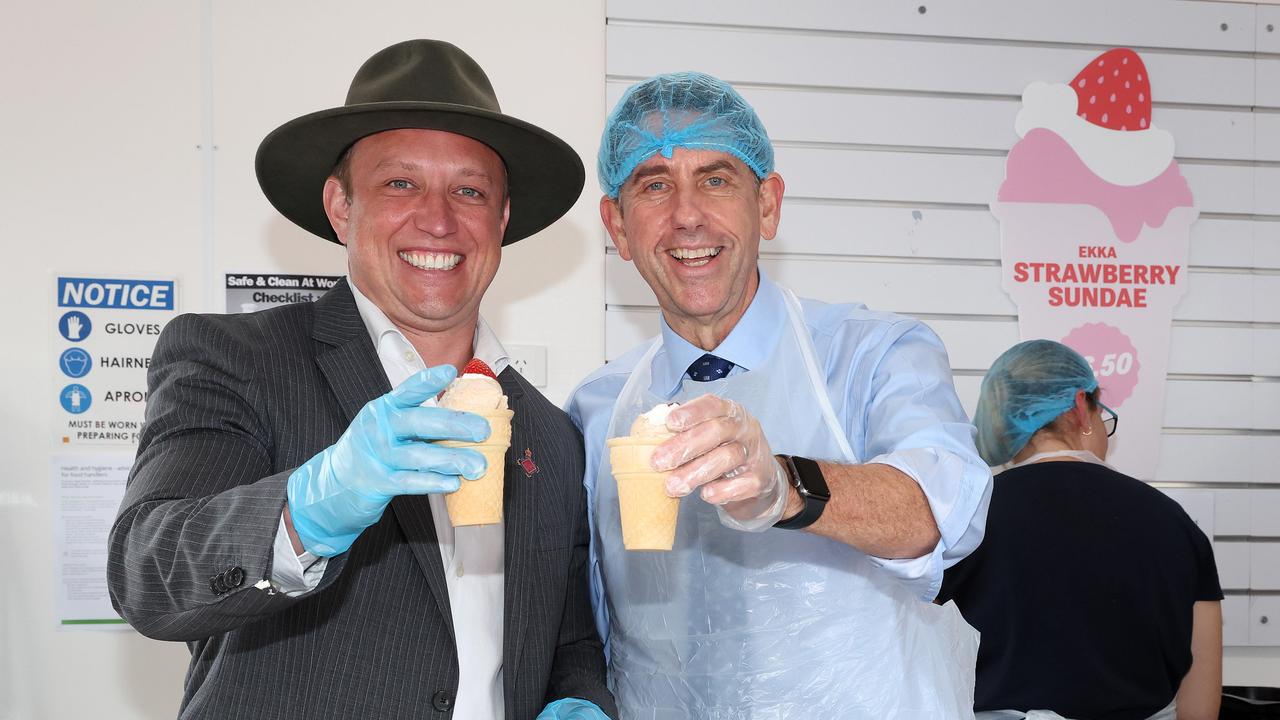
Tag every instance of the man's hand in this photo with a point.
(721, 449)
(386, 451)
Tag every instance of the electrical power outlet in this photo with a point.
(530, 361)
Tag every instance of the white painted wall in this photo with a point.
(112, 113)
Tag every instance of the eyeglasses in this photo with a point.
(1109, 419)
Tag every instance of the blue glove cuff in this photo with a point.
(315, 539)
(572, 709)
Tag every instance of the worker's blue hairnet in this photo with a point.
(1027, 387)
(680, 110)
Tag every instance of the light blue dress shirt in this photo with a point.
(889, 382)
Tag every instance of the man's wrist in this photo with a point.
(810, 488)
(794, 504)
(294, 540)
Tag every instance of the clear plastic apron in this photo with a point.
(779, 624)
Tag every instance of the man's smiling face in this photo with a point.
(692, 224)
(422, 215)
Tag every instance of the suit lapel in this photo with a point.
(519, 519)
(350, 364)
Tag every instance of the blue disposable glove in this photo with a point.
(385, 452)
(572, 709)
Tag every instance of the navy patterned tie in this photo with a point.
(708, 368)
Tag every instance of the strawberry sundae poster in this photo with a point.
(1095, 221)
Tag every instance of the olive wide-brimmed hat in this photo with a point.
(427, 84)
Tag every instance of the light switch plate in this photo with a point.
(530, 361)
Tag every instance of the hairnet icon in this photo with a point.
(75, 362)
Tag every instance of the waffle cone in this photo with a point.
(648, 513)
(479, 502)
(632, 453)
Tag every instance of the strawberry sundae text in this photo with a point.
(1090, 284)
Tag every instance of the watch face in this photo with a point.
(812, 483)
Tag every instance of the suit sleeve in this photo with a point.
(578, 669)
(193, 538)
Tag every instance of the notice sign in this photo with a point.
(1095, 220)
(250, 292)
(87, 489)
(106, 329)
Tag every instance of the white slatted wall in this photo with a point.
(891, 121)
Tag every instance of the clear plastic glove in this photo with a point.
(572, 709)
(721, 449)
(386, 451)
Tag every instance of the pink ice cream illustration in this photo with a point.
(1095, 224)
(1092, 143)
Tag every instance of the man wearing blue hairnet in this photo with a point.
(826, 469)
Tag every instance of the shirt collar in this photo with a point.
(484, 345)
(748, 344)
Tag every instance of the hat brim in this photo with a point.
(544, 175)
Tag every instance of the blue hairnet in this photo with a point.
(688, 110)
(1027, 387)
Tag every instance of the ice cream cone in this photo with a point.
(632, 453)
(648, 513)
(479, 502)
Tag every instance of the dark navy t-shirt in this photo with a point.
(1083, 590)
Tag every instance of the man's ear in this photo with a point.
(338, 208)
(771, 190)
(611, 216)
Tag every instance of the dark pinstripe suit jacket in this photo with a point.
(236, 403)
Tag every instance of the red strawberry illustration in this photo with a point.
(478, 367)
(1114, 91)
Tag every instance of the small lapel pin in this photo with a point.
(527, 464)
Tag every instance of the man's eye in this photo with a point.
(400, 184)
(655, 186)
(715, 181)
(470, 192)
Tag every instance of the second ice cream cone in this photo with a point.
(648, 513)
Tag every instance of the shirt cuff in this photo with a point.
(294, 574)
(922, 575)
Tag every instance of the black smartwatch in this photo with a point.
(806, 477)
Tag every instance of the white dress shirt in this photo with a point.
(472, 555)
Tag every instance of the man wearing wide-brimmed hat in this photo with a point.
(285, 515)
